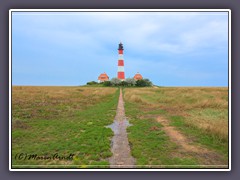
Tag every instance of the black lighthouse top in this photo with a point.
(120, 47)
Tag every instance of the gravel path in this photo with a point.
(120, 146)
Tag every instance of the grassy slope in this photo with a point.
(200, 113)
(63, 120)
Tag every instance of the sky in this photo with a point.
(73, 48)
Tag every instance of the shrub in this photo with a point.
(107, 83)
(143, 83)
(131, 81)
(115, 81)
(92, 83)
(124, 83)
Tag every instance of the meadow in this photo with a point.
(61, 121)
(178, 126)
(171, 127)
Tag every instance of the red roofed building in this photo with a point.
(138, 76)
(103, 77)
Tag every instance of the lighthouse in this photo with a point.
(121, 74)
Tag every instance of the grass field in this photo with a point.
(171, 127)
(62, 120)
(199, 114)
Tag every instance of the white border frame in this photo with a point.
(119, 10)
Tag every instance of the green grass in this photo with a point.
(201, 114)
(65, 120)
(200, 136)
(149, 143)
(77, 128)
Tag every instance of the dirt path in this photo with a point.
(204, 155)
(120, 146)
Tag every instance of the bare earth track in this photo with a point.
(206, 156)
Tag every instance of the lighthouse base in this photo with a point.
(121, 75)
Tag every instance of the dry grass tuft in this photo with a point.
(48, 102)
(204, 108)
(17, 124)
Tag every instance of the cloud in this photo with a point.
(156, 32)
(72, 42)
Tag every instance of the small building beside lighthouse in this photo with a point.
(103, 77)
(138, 76)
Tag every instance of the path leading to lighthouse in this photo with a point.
(120, 146)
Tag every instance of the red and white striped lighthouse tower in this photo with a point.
(121, 74)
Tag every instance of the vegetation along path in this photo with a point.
(178, 127)
(120, 146)
(205, 155)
